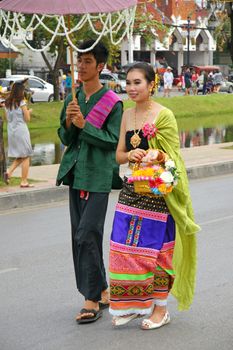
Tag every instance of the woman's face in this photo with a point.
(137, 87)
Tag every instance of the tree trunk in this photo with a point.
(228, 7)
(54, 71)
(2, 151)
(231, 19)
(55, 82)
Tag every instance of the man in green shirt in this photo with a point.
(89, 127)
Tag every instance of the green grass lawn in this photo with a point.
(46, 115)
(196, 106)
(191, 112)
(15, 181)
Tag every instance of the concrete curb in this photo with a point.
(57, 194)
(207, 170)
(33, 198)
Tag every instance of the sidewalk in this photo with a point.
(202, 161)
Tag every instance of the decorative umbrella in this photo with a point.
(110, 18)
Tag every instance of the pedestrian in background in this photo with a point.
(68, 84)
(153, 241)
(205, 79)
(168, 81)
(217, 81)
(89, 128)
(187, 81)
(195, 81)
(61, 82)
(9, 88)
(19, 143)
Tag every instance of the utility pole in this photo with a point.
(2, 152)
(230, 15)
(188, 38)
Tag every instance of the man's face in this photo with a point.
(88, 69)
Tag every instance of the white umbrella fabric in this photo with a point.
(113, 17)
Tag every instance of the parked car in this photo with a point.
(43, 154)
(42, 91)
(112, 81)
(121, 76)
(129, 65)
(230, 77)
(226, 86)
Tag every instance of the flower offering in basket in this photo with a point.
(157, 178)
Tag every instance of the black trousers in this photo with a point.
(87, 226)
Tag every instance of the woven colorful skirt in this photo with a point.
(141, 251)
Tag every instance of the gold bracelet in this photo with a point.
(129, 155)
(161, 157)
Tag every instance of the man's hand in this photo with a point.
(74, 115)
(78, 119)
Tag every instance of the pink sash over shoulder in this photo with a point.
(101, 110)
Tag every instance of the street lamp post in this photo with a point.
(188, 38)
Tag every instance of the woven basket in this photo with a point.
(142, 187)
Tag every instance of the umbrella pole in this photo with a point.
(71, 63)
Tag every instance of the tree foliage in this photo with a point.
(144, 22)
(223, 33)
(57, 50)
(6, 63)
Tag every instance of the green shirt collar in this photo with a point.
(93, 98)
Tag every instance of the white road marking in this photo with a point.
(216, 220)
(9, 270)
(33, 208)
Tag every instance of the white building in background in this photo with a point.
(29, 61)
(173, 47)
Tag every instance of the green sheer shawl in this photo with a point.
(180, 206)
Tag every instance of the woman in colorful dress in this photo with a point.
(153, 243)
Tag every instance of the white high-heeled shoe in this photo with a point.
(148, 324)
(122, 320)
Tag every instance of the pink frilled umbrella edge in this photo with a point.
(65, 7)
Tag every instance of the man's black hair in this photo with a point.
(99, 51)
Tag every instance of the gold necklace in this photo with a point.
(135, 140)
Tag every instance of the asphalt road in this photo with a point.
(38, 299)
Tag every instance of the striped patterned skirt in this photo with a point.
(141, 251)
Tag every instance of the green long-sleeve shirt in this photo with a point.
(89, 160)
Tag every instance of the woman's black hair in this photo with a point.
(147, 70)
